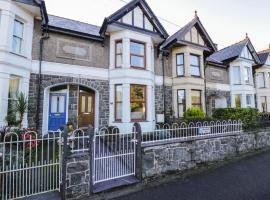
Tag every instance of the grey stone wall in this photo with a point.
(159, 101)
(101, 86)
(186, 155)
(216, 74)
(77, 177)
(216, 93)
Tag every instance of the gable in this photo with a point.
(194, 36)
(136, 15)
(246, 53)
(137, 18)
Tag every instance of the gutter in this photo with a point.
(205, 95)
(163, 88)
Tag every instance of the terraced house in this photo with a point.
(127, 70)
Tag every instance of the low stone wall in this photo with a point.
(77, 177)
(187, 155)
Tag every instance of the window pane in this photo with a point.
(248, 100)
(119, 60)
(137, 110)
(264, 104)
(195, 71)
(61, 104)
(247, 75)
(119, 92)
(54, 104)
(137, 48)
(181, 96)
(137, 93)
(137, 61)
(236, 75)
(181, 110)
(89, 104)
(14, 83)
(118, 110)
(119, 47)
(180, 70)
(16, 44)
(18, 29)
(83, 104)
(260, 80)
(238, 101)
(180, 59)
(194, 60)
(196, 97)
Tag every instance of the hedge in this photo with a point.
(248, 116)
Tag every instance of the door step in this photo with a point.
(107, 185)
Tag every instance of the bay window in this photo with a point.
(138, 102)
(17, 42)
(196, 98)
(264, 103)
(260, 80)
(180, 64)
(181, 101)
(137, 55)
(118, 53)
(118, 102)
(236, 75)
(195, 65)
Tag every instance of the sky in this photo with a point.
(226, 21)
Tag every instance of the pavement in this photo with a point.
(246, 179)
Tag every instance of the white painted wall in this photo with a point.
(10, 63)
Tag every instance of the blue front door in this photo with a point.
(57, 111)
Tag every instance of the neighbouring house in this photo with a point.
(188, 49)
(262, 75)
(16, 35)
(239, 60)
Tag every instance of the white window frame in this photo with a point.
(21, 38)
(238, 80)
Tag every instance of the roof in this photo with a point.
(263, 55)
(29, 2)
(177, 37)
(232, 52)
(74, 26)
(127, 8)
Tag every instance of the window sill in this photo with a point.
(17, 54)
(139, 68)
(138, 120)
(194, 76)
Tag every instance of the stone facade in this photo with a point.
(216, 93)
(159, 101)
(101, 86)
(187, 155)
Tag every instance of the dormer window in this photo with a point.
(118, 53)
(137, 55)
(17, 43)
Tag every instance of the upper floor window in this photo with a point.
(137, 55)
(196, 98)
(268, 79)
(195, 65)
(247, 75)
(236, 75)
(180, 64)
(118, 102)
(138, 102)
(118, 53)
(17, 42)
(260, 80)
(181, 101)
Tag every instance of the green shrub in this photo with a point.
(248, 116)
(194, 114)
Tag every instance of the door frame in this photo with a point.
(66, 106)
(94, 104)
